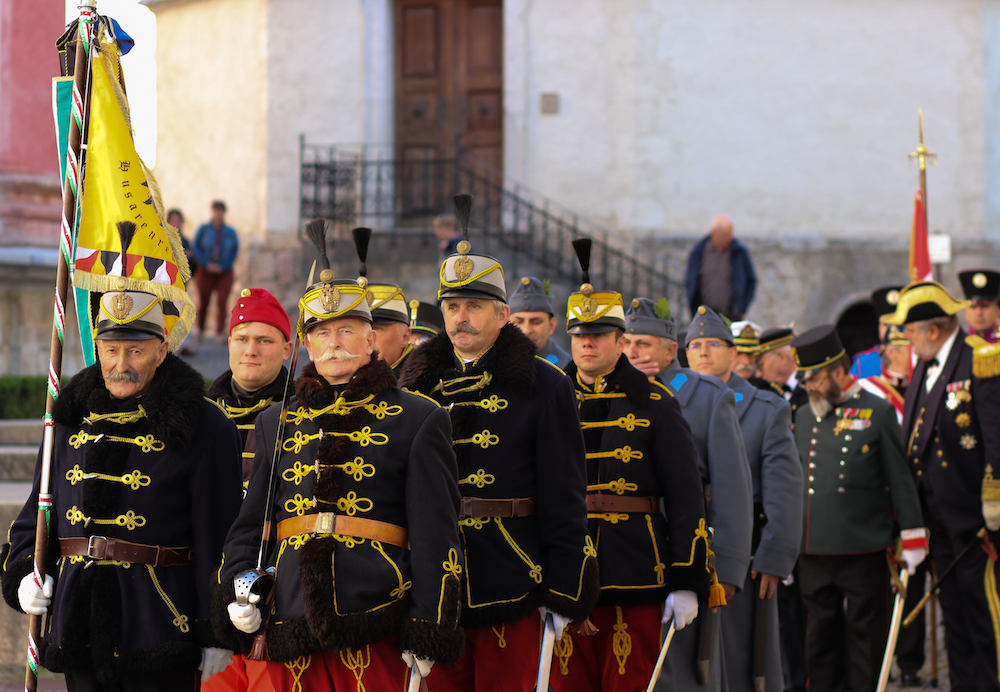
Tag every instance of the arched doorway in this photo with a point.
(858, 327)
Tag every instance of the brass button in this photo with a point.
(847, 438)
(841, 476)
(940, 453)
(812, 441)
(864, 450)
(944, 464)
(844, 450)
(812, 478)
(842, 463)
(841, 490)
(816, 429)
(812, 465)
(919, 472)
(812, 454)
(812, 491)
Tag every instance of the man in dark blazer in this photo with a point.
(953, 445)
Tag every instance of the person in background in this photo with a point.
(176, 219)
(390, 323)
(858, 489)
(709, 407)
(746, 339)
(869, 363)
(426, 320)
(982, 288)
(447, 235)
(531, 311)
(766, 423)
(953, 449)
(215, 248)
(720, 273)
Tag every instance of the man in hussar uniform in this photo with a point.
(426, 321)
(766, 424)
(145, 481)
(653, 561)
(709, 407)
(857, 486)
(532, 312)
(362, 521)
(982, 289)
(522, 474)
(259, 342)
(391, 324)
(953, 446)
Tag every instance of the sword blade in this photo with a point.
(661, 658)
(414, 684)
(703, 656)
(890, 645)
(545, 660)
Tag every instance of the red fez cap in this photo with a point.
(258, 305)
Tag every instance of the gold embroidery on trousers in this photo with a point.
(357, 662)
(621, 642)
(297, 667)
(564, 649)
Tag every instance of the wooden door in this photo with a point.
(449, 97)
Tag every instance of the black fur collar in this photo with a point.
(511, 362)
(172, 401)
(222, 388)
(374, 377)
(625, 378)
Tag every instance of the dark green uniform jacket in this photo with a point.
(856, 476)
(371, 451)
(166, 472)
(639, 445)
(516, 435)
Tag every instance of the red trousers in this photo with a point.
(372, 668)
(243, 675)
(619, 658)
(221, 284)
(503, 658)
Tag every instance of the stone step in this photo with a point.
(17, 462)
(21, 432)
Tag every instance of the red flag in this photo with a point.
(920, 258)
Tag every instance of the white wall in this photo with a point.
(795, 118)
(331, 78)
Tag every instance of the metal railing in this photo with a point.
(369, 186)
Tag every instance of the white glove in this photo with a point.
(424, 665)
(682, 606)
(914, 547)
(914, 557)
(214, 661)
(246, 618)
(991, 514)
(34, 601)
(559, 622)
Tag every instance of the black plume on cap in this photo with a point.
(362, 236)
(463, 206)
(316, 230)
(126, 231)
(582, 247)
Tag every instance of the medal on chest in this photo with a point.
(958, 393)
(852, 419)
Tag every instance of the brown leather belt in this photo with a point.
(104, 548)
(617, 503)
(505, 509)
(327, 523)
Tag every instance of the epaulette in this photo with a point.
(420, 394)
(985, 357)
(551, 365)
(217, 405)
(657, 383)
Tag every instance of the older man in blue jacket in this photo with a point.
(720, 272)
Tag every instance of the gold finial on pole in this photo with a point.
(921, 154)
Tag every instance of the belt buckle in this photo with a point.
(92, 548)
(324, 523)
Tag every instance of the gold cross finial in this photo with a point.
(921, 154)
